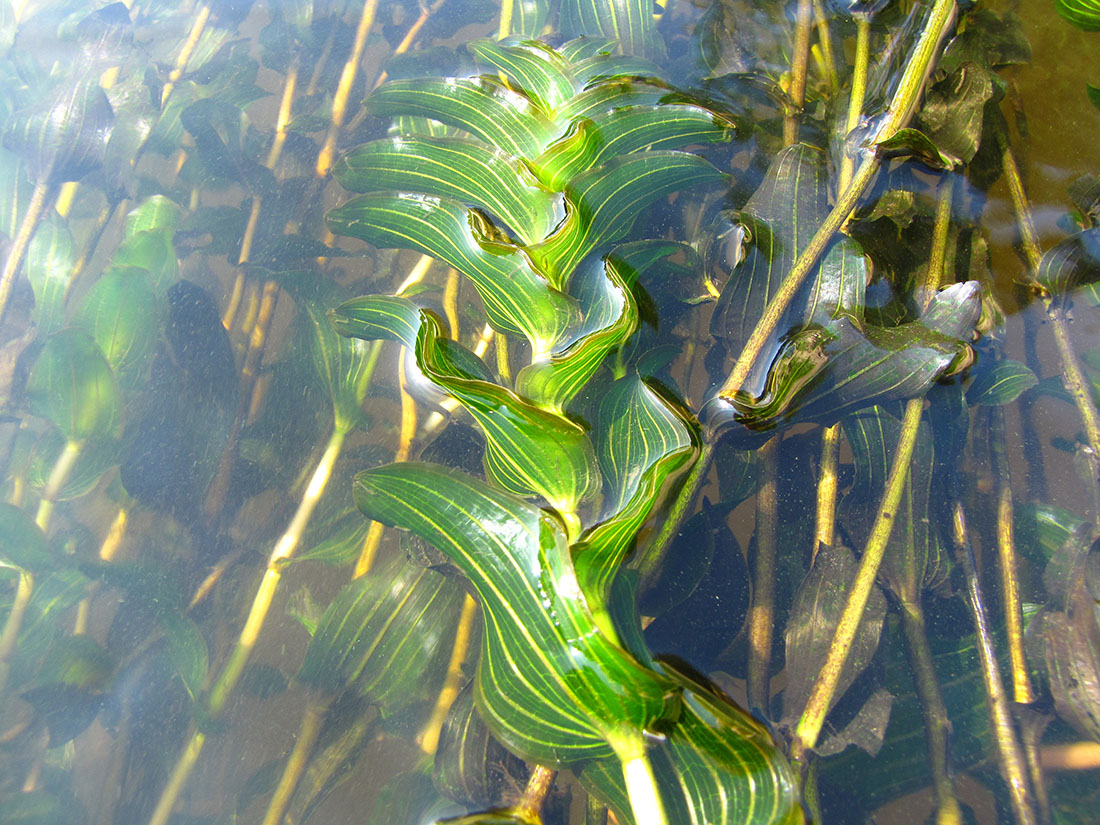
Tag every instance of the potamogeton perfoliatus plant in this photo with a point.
(547, 160)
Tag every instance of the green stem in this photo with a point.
(23, 592)
(824, 689)
(641, 784)
(60, 473)
(1022, 690)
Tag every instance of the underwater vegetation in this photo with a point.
(544, 411)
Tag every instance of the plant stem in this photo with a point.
(23, 592)
(827, 57)
(1073, 375)
(343, 89)
(188, 49)
(641, 784)
(60, 473)
(534, 795)
(1010, 755)
(506, 11)
(22, 240)
(821, 696)
(308, 731)
(796, 94)
(284, 548)
(1022, 691)
(246, 641)
(762, 612)
(452, 683)
(937, 726)
(827, 488)
(897, 115)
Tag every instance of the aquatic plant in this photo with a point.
(562, 304)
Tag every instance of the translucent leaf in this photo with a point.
(1000, 384)
(73, 386)
(22, 543)
(50, 261)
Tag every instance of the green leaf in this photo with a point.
(630, 22)
(121, 313)
(73, 386)
(913, 143)
(187, 650)
(455, 168)
(603, 203)
(152, 251)
(480, 106)
(1073, 262)
(621, 130)
(636, 429)
(518, 301)
(344, 365)
(529, 451)
(543, 74)
(22, 543)
(1001, 384)
(550, 684)
(152, 214)
(529, 17)
(716, 766)
(378, 317)
(1093, 93)
(64, 138)
(341, 546)
(50, 261)
(610, 315)
(822, 371)
(781, 217)
(1084, 14)
(471, 766)
(388, 633)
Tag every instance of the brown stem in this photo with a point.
(308, 731)
(762, 612)
(937, 726)
(796, 94)
(343, 89)
(35, 208)
(1010, 756)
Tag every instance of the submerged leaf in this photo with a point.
(73, 386)
(822, 371)
(550, 684)
(22, 543)
(66, 138)
(1073, 262)
(1084, 14)
(388, 634)
(813, 623)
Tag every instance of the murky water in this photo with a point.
(200, 623)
